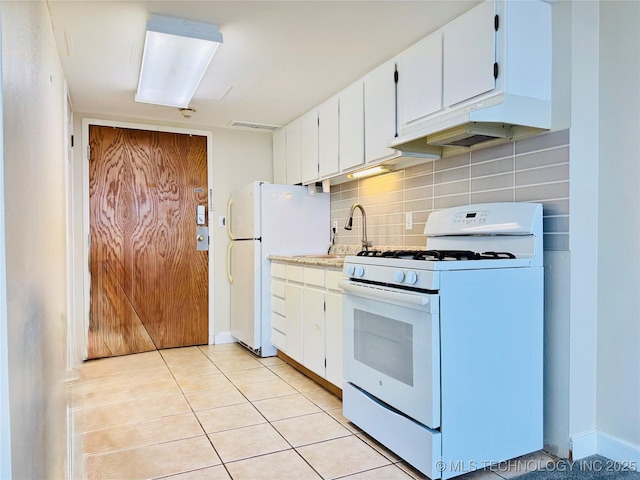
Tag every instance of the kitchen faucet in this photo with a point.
(347, 226)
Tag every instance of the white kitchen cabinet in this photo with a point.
(293, 321)
(294, 171)
(279, 157)
(379, 111)
(328, 134)
(309, 147)
(420, 80)
(313, 330)
(351, 124)
(333, 335)
(469, 54)
(306, 317)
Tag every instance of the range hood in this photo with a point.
(499, 118)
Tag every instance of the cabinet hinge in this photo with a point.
(325, 363)
(72, 140)
(496, 22)
(396, 76)
(495, 70)
(324, 305)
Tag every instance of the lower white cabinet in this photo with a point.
(306, 317)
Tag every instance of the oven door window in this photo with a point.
(374, 334)
(392, 352)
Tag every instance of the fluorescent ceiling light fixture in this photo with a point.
(369, 172)
(176, 55)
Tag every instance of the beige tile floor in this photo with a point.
(218, 412)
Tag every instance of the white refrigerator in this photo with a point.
(262, 220)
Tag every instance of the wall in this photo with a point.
(618, 341)
(534, 169)
(239, 157)
(34, 172)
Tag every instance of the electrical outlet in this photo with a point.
(335, 225)
(409, 221)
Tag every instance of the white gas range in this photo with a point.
(443, 347)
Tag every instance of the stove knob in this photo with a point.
(350, 270)
(399, 276)
(411, 278)
(359, 271)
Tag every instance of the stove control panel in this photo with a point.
(471, 218)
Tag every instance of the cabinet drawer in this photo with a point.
(295, 273)
(279, 340)
(278, 322)
(278, 306)
(333, 278)
(278, 289)
(278, 270)
(314, 276)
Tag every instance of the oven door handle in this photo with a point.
(381, 293)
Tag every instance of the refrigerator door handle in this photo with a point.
(229, 247)
(229, 218)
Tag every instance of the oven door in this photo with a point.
(392, 348)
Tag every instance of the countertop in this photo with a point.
(334, 259)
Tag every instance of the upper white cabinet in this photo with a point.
(351, 124)
(279, 157)
(309, 146)
(379, 111)
(420, 79)
(294, 165)
(469, 54)
(328, 134)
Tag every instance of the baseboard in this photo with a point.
(583, 445)
(596, 442)
(618, 450)
(224, 337)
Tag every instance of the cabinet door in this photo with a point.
(469, 54)
(313, 330)
(309, 146)
(328, 132)
(420, 82)
(279, 157)
(379, 111)
(333, 325)
(351, 124)
(294, 173)
(293, 319)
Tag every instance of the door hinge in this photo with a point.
(324, 305)
(495, 71)
(496, 22)
(72, 140)
(89, 152)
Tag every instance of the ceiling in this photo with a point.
(277, 61)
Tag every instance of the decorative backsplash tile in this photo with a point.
(532, 170)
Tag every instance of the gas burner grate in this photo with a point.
(437, 255)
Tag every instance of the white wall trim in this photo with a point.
(584, 445)
(86, 122)
(223, 337)
(600, 443)
(618, 450)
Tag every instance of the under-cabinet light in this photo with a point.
(369, 172)
(176, 54)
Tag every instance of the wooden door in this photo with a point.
(149, 284)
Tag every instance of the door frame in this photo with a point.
(85, 255)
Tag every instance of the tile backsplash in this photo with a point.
(532, 170)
